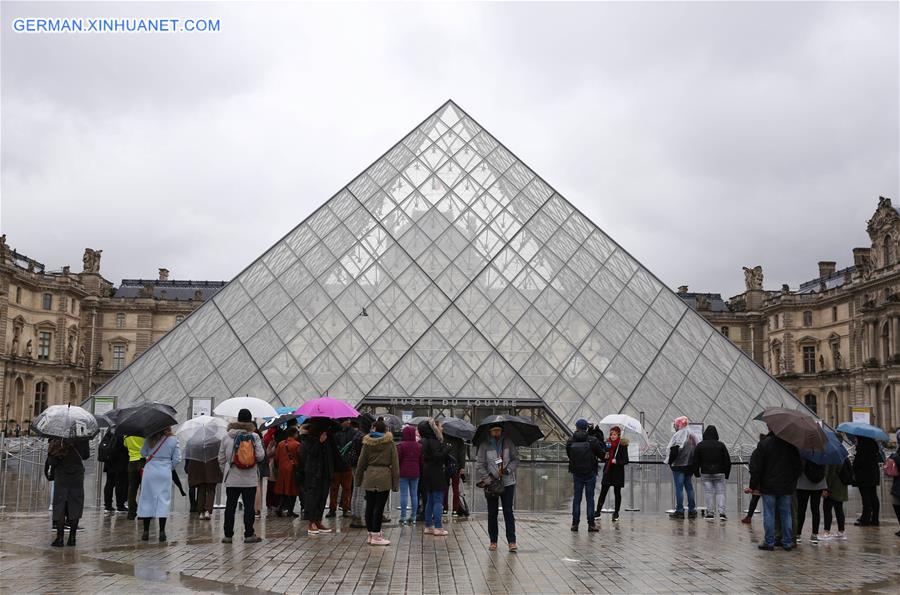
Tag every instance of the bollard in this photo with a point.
(630, 507)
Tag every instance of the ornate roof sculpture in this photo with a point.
(449, 271)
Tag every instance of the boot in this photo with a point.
(58, 542)
(162, 530)
(71, 537)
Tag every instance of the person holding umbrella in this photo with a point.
(615, 459)
(895, 481)
(867, 479)
(496, 461)
(434, 475)
(69, 429)
(317, 462)
(836, 479)
(64, 467)
(202, 437)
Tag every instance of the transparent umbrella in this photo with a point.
(66, 421)
(200, 437)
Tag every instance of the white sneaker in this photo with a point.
(840, 536)
(826, 536)
(378, 539)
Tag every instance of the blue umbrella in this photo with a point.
(283, 410)
(834, 453)
(855, 428)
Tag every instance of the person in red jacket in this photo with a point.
(287, 453)
(409, 452)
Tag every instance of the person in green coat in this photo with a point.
(835, 496)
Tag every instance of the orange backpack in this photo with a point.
(244, 452)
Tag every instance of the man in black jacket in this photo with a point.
(712, 464)
(583, 451)
(342, 478)
(775, 469)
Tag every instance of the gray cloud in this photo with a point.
(701, 136)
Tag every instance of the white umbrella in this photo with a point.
(66, 421)
(201, 437)
(258, 408)
(631, 428)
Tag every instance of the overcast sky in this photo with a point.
(703, 137)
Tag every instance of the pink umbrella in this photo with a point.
(327, 407)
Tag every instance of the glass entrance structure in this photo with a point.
(448, 275)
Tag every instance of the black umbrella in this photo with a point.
(796, 428)
(394, 424)
(145, 419)
(458, 428)
(521, 430)
(417, 420)
(282, 419)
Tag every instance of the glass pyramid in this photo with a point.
(449, 270)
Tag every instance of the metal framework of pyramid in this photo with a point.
(449, 270)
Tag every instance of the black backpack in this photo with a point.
(450, 466)
(107, 447)
(814, 472)
(845, 473)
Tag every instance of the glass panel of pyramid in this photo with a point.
(449, 271)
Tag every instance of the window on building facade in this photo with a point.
(807, 318)
(888, 250)
(179, 318)
(47, 302)
(724, 330)
(834, 314)
(120, 320)
(809, 360)
(44, 338)
(41, 391)
(810, 401)
(118, 357)
(18, 295)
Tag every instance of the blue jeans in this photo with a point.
(683, 482)
(583, 484)
(409, 492)
(781, 505)
(434, 508)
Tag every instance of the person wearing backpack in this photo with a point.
(240, 451)
(893, 465)
(409, 454)
(434, 475)
(342, 477)
(810, 486)
(837, 478)
(583, 452)
(162, 453)
(114, 456)
(287, 456)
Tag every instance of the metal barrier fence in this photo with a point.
(543, 482)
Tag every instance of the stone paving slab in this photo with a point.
(642, 553)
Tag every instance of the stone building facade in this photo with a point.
(63, 334)
(834, 341)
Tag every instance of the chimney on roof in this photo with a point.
(682, 289)
(163, 274)
(826, 268)
(861, 257)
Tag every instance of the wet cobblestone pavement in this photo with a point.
(642, 553)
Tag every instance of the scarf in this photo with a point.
(613, 449)
(375, 434)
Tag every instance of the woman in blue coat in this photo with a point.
(162, 453)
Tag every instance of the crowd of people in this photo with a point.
(352, 466)
(789, 485)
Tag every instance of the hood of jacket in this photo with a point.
(710, 433)
(370, 441)
(429, 429)
(239, 427)
(408, 434)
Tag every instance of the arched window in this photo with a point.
(831, 409)
(20, 397)
(885, 412)
(810, 401)
(888, 250)
(41, 391)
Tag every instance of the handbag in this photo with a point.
(494, 489)
(150, 458)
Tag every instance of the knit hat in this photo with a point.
(581, 424)
(244, 415)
